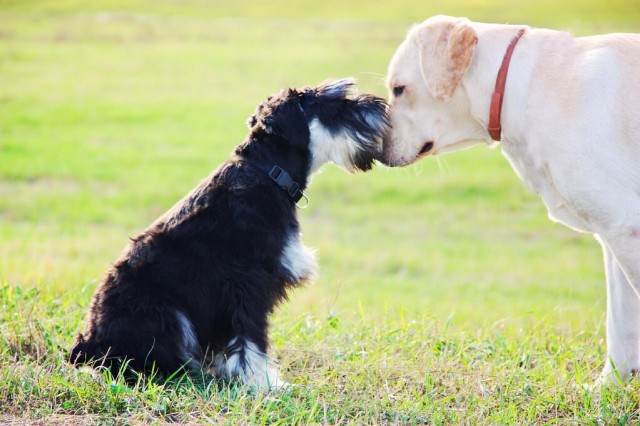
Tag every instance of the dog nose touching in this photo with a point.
(384, 154)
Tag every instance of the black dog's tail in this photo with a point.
(85, 351)
(82, 352)
(88, 352)
(97, 354)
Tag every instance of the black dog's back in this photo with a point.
(214, 258)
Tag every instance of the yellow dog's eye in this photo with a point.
(397, 90)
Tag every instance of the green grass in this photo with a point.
(445, 295)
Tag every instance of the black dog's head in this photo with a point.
(327, 123)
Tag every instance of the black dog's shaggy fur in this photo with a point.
(199, 283)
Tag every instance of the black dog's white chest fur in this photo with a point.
(298, 260)
(199, 284)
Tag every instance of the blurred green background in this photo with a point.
(111, 111)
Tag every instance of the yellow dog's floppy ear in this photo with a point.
(446, 47)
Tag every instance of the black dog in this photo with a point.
(198, 285)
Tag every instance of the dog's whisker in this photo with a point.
(443, 165)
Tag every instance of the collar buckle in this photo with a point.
(282, 178)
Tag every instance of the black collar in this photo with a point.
(281, 178)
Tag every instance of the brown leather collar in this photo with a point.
(495, 128)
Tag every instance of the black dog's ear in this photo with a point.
(289, 122)
(282, 115)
